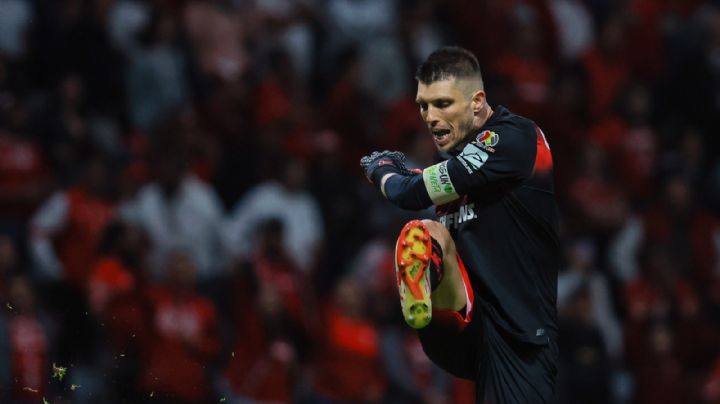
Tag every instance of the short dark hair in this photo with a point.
(448, 62)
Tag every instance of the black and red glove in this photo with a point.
(377, 164)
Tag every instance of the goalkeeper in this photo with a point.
(480, 283)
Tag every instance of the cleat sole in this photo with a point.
(412, 256)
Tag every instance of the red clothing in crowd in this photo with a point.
(29, 350)
(286, 279)
(23, 175)
(185, 342)
(108, 278)
(645, 299)
(529, 80)
(348, 366)
(598, 202)
(261, 365)
(605, 80)
(630, 151)
(87, 217)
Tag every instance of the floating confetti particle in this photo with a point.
(232, 353)
(152, 393)
(30, 390)
(58, 372)
(222, 400)
(45, 401)
(74, 387)
(8, 306)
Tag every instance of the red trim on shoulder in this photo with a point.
(543, 157)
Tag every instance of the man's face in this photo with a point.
(446, 107)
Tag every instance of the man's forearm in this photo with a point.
(407, 192)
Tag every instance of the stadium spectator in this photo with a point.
(580, 273)
(73, 219)
(157, 73)
(26, 343)
(287, 200)
(584, 361)
(348, 366)
(185, 336)
(268, 349)
(24, 177)
(178, 211)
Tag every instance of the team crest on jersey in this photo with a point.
(487, 139)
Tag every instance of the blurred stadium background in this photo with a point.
(183, 218)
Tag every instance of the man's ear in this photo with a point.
(478, 101)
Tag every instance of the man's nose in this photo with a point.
(431, 116)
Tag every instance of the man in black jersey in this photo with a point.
(480, 283)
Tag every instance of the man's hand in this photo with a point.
(378, 164)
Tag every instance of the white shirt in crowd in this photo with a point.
(298, 211)
(191, 220)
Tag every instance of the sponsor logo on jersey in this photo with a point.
(452, 220)
(487, 139)
(472, 158)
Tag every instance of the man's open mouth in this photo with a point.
(441, 136)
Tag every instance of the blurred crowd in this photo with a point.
(183, 218)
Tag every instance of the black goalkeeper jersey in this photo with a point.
(505, 224)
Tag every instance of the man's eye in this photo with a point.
(423, 106)
(442, 104)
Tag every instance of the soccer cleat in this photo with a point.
(414, 257)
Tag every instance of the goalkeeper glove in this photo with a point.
(377, 164)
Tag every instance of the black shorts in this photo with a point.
(504, 370)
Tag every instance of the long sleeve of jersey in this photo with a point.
(508, 155)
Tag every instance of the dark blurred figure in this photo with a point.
(339, 111)
(72, 36)
(584, 363)
(10, 260)
(26, 341)
(606, 78)
(116, 293)
(184, 339)
(677, 220)
(270, 346)
(65, 129)
(581, 275)
(157, 76)
(25, 177)
(659, 378)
